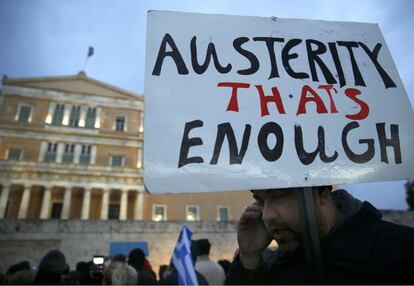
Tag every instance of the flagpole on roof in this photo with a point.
(90, 53)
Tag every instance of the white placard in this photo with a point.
(278, 103)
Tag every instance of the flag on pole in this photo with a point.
(90, 52)
(182, 259)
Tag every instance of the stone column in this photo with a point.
(67, 197)
(82, 115)
(93, 155)
(66, 114)
(42, 151)
(105, 204)
(77, 153)
(24, 203)
(98, 117)
(139, 206)
(49, 116)
(86, 204)
(124, 205)
(3, 200)
(141, 121)
(59, 152)
(139, 158)
(44, 211)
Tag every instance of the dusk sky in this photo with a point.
(51, 38)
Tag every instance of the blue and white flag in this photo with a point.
(182, 259)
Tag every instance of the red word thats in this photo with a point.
(308, 94)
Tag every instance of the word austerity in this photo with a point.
(314, 51)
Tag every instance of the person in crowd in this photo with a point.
(211, 270)
(225, 264)
(137, 260)
(24, 265)
(19, 274)
(124, 274)
(171, 277)
(51, 268)
(109, 270)
(357, 247)
(162, 272)
(119, 257)
(22, 277)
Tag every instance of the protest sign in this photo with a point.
(234, 103)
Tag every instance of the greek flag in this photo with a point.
(90, 52)
(182, 258)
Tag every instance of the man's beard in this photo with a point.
(290, 239)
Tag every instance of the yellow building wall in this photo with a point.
(96, 204)
(104, 151)
(30, 148)
(76, 204)
(108, 117)
(15, 197)
(10, 107)
(36, 197)
(207, 203)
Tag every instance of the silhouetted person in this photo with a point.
(211, 270)
(51, 268)
(225, 264)
(162, 272)
(119, 257)
(171, 277)
(137, 261)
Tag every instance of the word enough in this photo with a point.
(273, 154)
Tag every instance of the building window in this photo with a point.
(68, 154)
(56, 210)
(117, 160)
(74, 116)
(223, 213)
(113, 211)
(192, 213)
(14, 154)
(120, 123)
(90, 118)
(58, 114)
(159, 212)
(24, 114)
(85, 156)
(50, 155)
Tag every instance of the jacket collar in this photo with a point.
(353, 239)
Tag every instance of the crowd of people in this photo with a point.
(134, 269)
(356, 247)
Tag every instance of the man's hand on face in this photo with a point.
(252, 236)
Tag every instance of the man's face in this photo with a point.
(281, 216)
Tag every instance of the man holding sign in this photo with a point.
(357, 246)
(249, 103)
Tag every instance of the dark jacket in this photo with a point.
(362, 250)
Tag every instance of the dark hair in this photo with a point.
(203, 246)
(119, 257)
(225, 264)
(137, 258)
(24, 265)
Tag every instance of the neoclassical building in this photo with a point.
(71, 148)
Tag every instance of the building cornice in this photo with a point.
(73, 98)
(70, 175)
(81, 76)
(71, 138)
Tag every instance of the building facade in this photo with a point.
(71, 148)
